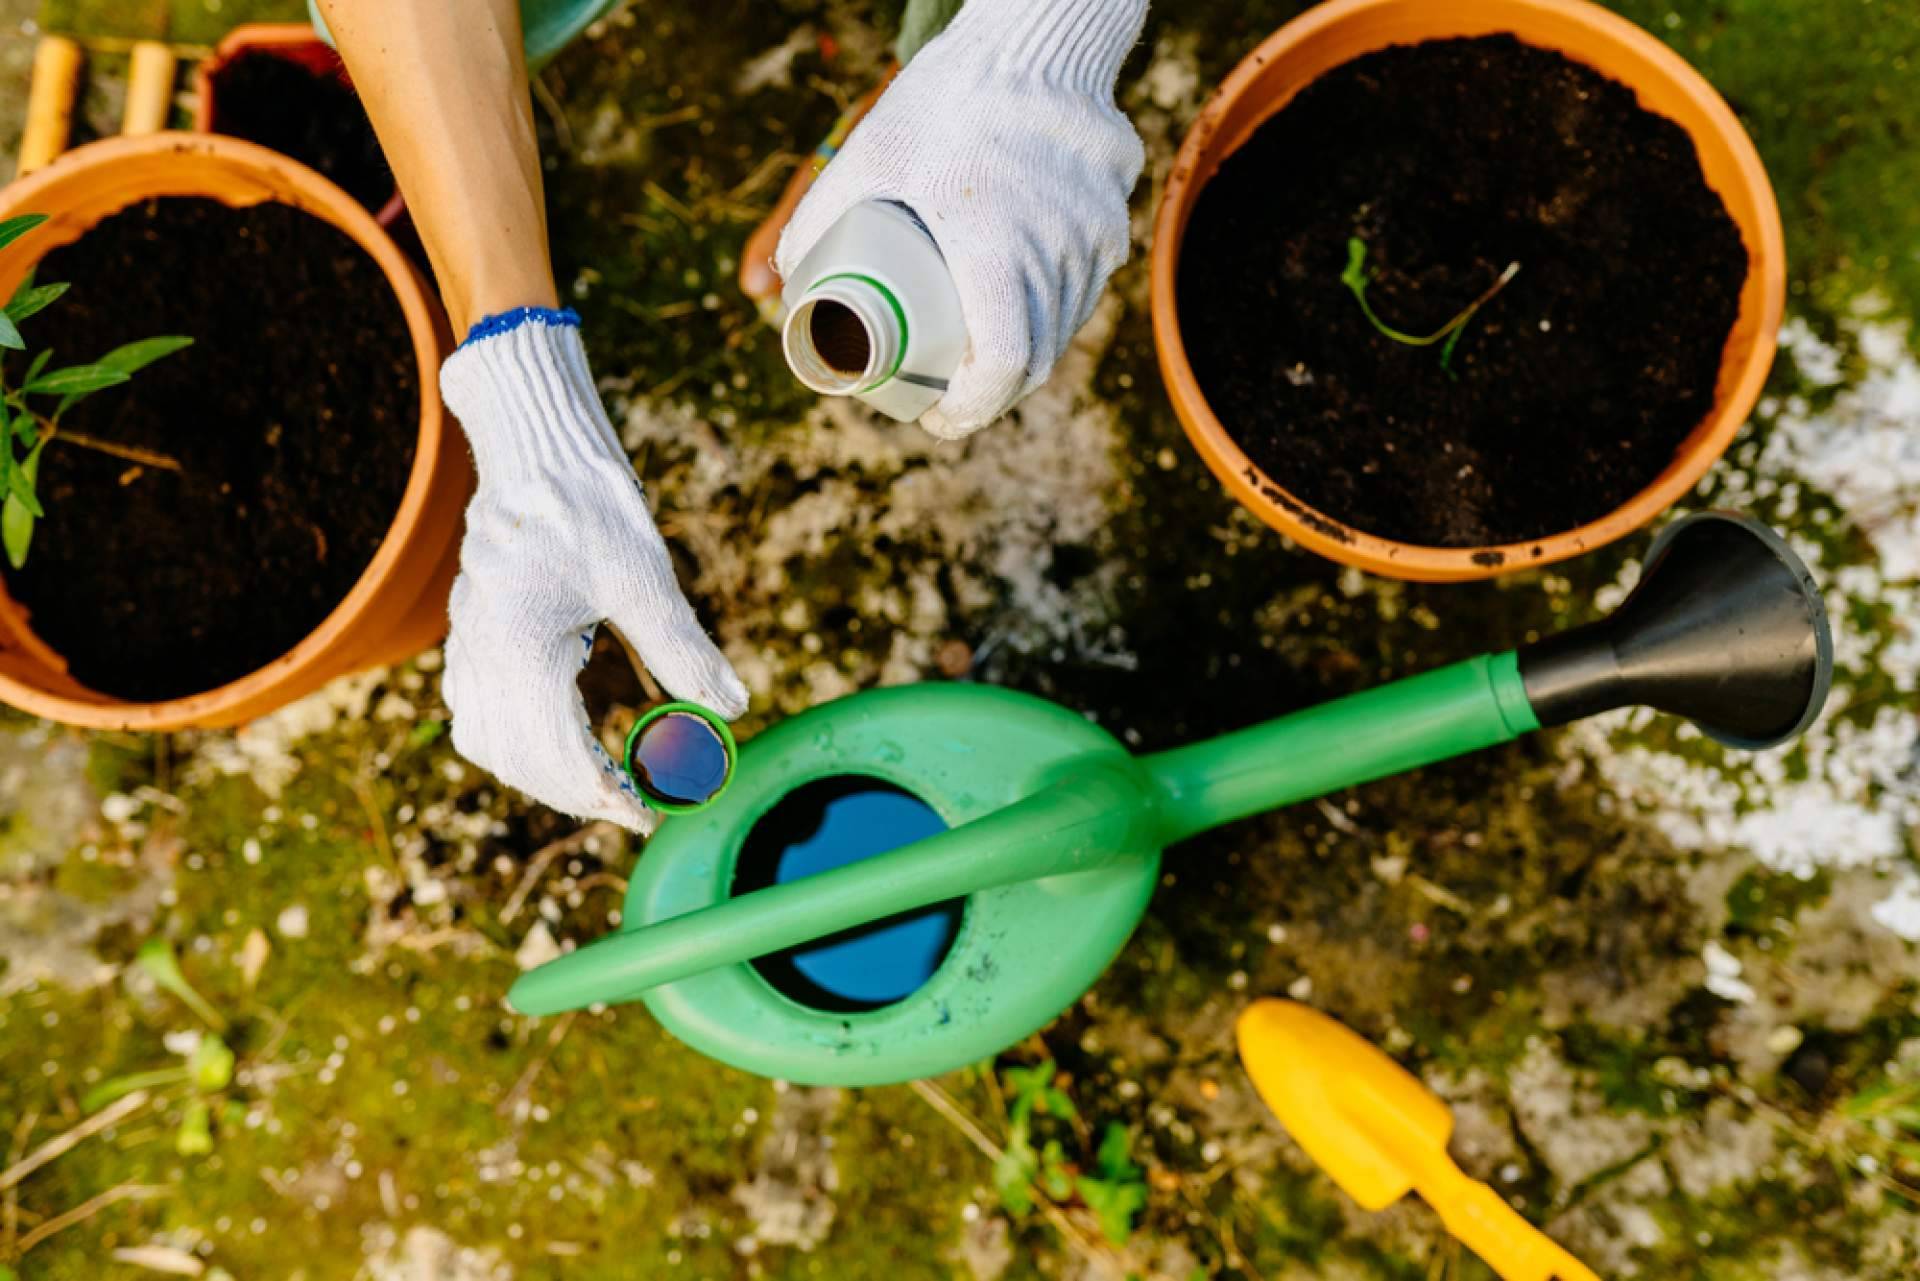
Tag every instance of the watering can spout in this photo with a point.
(1725, 628)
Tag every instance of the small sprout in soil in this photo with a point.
(1114, 1188)
(1355, 278)
(157, 959)
(195, 1136)
(208, 1070)
(1115, 1192)
(25, 430)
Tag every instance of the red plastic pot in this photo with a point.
(294, 42)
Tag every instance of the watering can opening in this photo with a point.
(829, 823)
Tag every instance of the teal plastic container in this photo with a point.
(549, 25)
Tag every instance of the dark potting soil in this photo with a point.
(292, 417)
(1569, 391)
(307, 115)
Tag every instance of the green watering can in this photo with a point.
(909, 880)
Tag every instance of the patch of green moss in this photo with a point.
(119, 762)
(1763, 904)
(1295, 1218)
(1737, 1234)
(94, 880)
(1625, 1070)
(1826, 91)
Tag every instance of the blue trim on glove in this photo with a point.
(508, 321)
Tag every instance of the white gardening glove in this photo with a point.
(1003, 136)
(558, 539)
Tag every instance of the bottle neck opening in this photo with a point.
(845, 336)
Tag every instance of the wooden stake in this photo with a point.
(149, 89)
(56, 82)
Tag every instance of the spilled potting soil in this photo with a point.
(1567, 392)
(291, 418)
(309, 115)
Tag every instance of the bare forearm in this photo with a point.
(445, 84)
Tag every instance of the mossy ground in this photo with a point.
(1516, 926)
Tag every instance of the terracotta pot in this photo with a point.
(399, 604)
(296, 43)
(1336, 33)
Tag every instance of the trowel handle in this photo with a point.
(1077, 825)
(1494, 1230)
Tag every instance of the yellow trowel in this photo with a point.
(1380, 1133)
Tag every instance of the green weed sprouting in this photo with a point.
(156, 958)
(1114, 1189)
(200, 1081)
(25, 431)
(1355, 278)
(1876, 1132)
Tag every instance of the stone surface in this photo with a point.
(1528, 930)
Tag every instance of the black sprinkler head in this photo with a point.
(1726, 628)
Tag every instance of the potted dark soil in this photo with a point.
(275, 506)
(280, 85)
(1447, 290)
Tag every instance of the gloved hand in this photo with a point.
(558, 539)
(1003, 136)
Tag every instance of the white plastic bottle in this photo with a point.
(872, 313)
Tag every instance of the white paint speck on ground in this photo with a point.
(292, 922)
(263, 750)
(1723, 974)
(1900, 910)
(537, 948)
(1848, 794)
(1863, 449)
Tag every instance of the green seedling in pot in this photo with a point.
(909, 880)
(1356, 278)
(26, 428)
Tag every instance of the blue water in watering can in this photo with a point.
(832, 824)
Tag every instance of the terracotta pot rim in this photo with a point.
(308, 191)
(244, 38)
(1616, 48)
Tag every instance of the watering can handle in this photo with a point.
(1079, 824)
(1389, 729)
